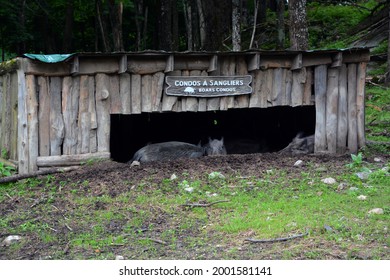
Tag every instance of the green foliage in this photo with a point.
(40, 27)
(329, 24)
(381, 48)
(4, 153)
(377, 113)
(357, 160)
(6, 170)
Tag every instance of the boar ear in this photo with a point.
(209, 139)
(222, 139)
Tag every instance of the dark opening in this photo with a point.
(272, 128)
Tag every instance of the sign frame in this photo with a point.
(208, 86)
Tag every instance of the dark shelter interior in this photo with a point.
(243, 130)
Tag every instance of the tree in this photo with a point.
(116, 12)
(168, 26)
(256, 9)
(236, 25)
(280, 23)
(217, 15)
(298, 26)
(102, 26)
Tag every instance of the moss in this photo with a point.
(9, 66)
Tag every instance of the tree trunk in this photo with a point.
(139, 5)
(218, 21)
(202, 24)
(256, 9)
(116, 13)
(165, 33)
(188, 21)
(21, 48)
(280, 24)
(298, 25)
(236, 25)
(175, 26)
(141, 22)
(102, 26)
(68, 29)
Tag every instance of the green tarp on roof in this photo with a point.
(49, 58)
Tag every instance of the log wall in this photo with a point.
(64, 109)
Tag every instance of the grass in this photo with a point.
(147, 220)
(271, 205)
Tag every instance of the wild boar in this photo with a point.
(215, 147)
(174, 150)
(300, 145)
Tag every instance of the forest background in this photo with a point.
(68, 26)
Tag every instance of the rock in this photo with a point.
(298, 163)
(353, 189)
(209, 194)
(363, 175)
(216, 175)
(328, 228)
(341, 187)
(135, 163)
(377, 159)
(321, 169)
(189, 189)
(362, 197)
(11, 239)
(173, 177)
(329, 181)
(118, 258)
(378, 211)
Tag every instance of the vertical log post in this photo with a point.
(299, 79)
(352, 122)
(124, 89)
(136, 94)
(320, 88)
(157, 91)
(32, 117)
(332, 100)
(103, 115)
(360, 104)
(146, 93)
(23, 123)
(56, 119)
(44, 116)
(5, 106)
(70, 111)
(342, 116)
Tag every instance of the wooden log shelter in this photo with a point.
(58, 114)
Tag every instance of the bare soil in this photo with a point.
(112, 179)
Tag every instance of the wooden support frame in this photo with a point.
(337, 60)
(297, 62)
(213, 63)
(122, 64)
(254, 62)
(170, 64)
(42, 101)
(75, 65)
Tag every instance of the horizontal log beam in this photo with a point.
(70, 160)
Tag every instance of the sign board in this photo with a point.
(208, 86)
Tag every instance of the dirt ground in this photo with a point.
(115, 173)
(113, 178)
